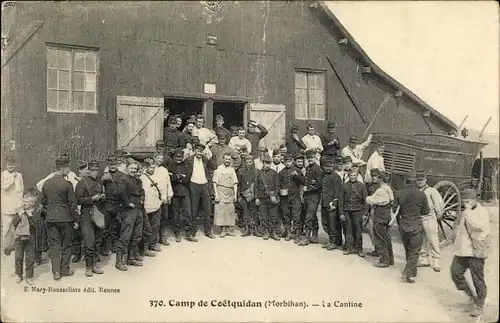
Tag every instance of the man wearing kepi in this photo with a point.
(294, 144)
(381, 201)
(354, 150)
(412, 204)
(58, 198)
(430, 244)
(266, 198)
(246, 190)
(330, 141)
(180, 176)
(472, 246)
(331, 204)
(90, 194)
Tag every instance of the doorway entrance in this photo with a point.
(233, 113)
(183, 107)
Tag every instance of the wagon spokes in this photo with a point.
(452, 204)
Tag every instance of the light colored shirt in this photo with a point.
(225, 176)
(206, 136)
(277, 168)
(435, 201)
(12, 192)
(312, 142)
(163, 175)
(375, 161)
(382, 196)
(198, 176)
(356, 153)
(236, 143)
(478, 224)
(152, 199)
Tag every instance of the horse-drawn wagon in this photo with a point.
(447, 161)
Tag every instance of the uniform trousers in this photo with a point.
(290, 212)
(130, 221)
(59, 236)
(430, 239)
(165, 221)
(383, 242)
(412, 242)
(476, 266)
(111, 230)
(268, 213)
(354, 230)
(181, 215)
(25, 254)
(249, 211)
(200, 203)
(311, 201)
(154, 219)
(76, 241)
(92, 237)
(146, 232)
(330, 221)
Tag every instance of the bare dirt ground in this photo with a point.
(237, 269)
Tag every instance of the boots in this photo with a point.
(478, 311)
(275, 236)
(435, 265)
(119, 262)
(304, 241)
(266, 235)
(246, 231)
(223, 232)
(288, 235)
(284, 233)
(257, 232)
(314, 237)
(97, 270)
(229, 231)
(298, 236)
(149, 253)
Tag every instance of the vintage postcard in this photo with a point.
(250, 161)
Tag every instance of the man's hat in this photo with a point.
(331, 124)
(468, 194)
(266, 158)
(375, 172)
(172, 120)
(112, 160)
(149, 161)
(160, 143)
(294, 128)
(246, 157)
(310, 125)
(410, 176)
(310, 153)
(380, 144)
(287, 157)
(357, 163)
(191, 119)
(199, 145)
(299, 156)
(233, 128)
(81, 164)
(219, 117)
(199, 116)
(9, 159)
(329, 162)
(251, 121)
(353, 138)
(62, 162)
(347, 159)
(276, 152)
(93, 165)
(178, 152)
(420, 175)
(339, 160)
(385, 175)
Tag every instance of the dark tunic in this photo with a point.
(331, 190)
(413, 204)
(113, 199)
(245, 178)
(330, 148)
(221, 130)
(266, 184)
(59, 201)
(313, 178)
(129, 190)
(254, 138)
(293, 146)
(291, 182)
(180, 183)
(354, 197)
(85, 189)
(173, 139)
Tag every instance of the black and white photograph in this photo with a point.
(250, 161)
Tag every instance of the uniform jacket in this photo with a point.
(223, 131)
(293, 146)
(332, 189)
(180, 176)
(413, 204)
(130, 190)
(254, 138)
(173, 139)
(84, 196)
(331, 144)
(110, 181)
(245, 178)
(218, 152)
(313, 176)
(58, 199)
(266, 184)
(354, 197)
(292, 182)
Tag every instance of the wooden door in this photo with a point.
(139, 123)
(271, 116)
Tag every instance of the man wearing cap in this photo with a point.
(381, 201)
(90, 195)
(239, 142)
(207, 136)
(330, 141)
(234, 131)
(201, 169)
(12, 193)
(255, 133)
(312, 193)
(178, 121)
(350, 166)
(219, 128)
(267, 198)
(412, 204)
(172, 135)
(472, 245)
(430, 243)
(277, 165)
(313, 142)
(331, 205)
(71, 176)
(293, 143)
(246, 184)
(181, 202)
(354, 150)
(58, 198)
(291, 179)
(376, 160)
(188, 132)
(221, 148)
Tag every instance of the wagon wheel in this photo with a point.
(452, 208)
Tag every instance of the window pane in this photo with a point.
(79, 57)
(311, 81)
(320, 82)
(63, 59)
(63, 101)
(90, 80)
(90, 101)
(63, 80)
(300, 80)
(300, 111)
(320, 112)
(300, 96)
(78, 100)
(52, 100)
(312, 110)
(52, 78)
(79, 81)
(51, 57)
(320, 96)
(90, 61)
(312, 96)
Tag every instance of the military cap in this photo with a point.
(172, 120)
(266, 158)
(410, 176)
(329, 162)
(347, 159)
(468, 194)
(380, 143)
(299, 156)
(160, 143)
(199, 116)
(375, 172)
(276, 152)
(81, 164)
(287, 157)
(219, 117)
(199, 145)
(357, 163)
(191, 120)
(251, 121)
(62, 162)
(310, 125)
(9, 159)
(420, 175)
(310, 153)
(339, 160)
(149, 161)
(221, 135)
(120, 153)
(233, 128)
(385, 175)
(294, 128)
(93, 164)
(246, 156)
(112, 160)
(178, 152)
(331, 124)
(353, 138)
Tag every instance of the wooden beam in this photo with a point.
(20, 41)
(398, 94)
(366, 69)
(484, 127)
(386, 98)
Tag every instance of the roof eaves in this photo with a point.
(380, 72)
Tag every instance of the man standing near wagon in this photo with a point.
(430, 244)
(355, 150)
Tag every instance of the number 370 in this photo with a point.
(156, 303)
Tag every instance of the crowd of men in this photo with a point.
(223, 177)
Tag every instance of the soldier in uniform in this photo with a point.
(291, 179)
(181, 202)
(299, 226)
(90, 193)
(77, 233)
(173, 136)
(312, 192)
(219, 127)
(58, 198)
(412, 204)
(331, 205)
(330, 141)
(246, 185)
(266, 198)
(294, 143)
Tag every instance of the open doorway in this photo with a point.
(183, 107)
(233, 113)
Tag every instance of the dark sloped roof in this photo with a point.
(377, 70)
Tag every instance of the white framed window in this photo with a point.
(72, 79)
(310, 95)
